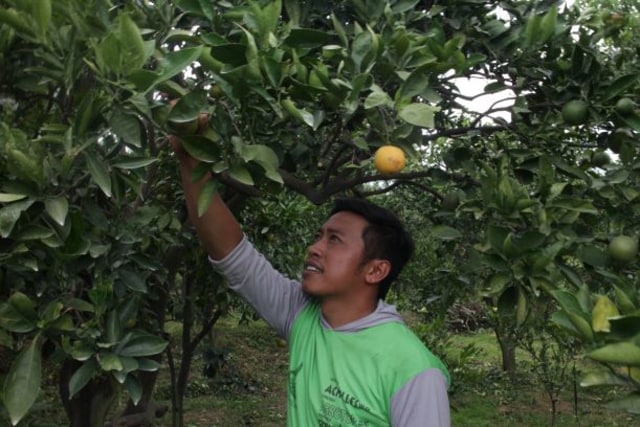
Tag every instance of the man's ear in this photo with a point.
(376, 270)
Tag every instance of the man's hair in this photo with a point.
(384, 237)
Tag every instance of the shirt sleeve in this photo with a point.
(277, 299)
(423, 401)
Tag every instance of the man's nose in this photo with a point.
(315, 248)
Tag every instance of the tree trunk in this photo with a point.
(508, 350)
(90, 406)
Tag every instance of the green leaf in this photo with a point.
(10, 214)
(177, 61)
(82, 376)
(419, 114)
(148, 365)
(134, 388)
(17, 21)
(625, 301)
(241, 174)
(496, 237)
(202, 148)
(601, 378)
(633, 122)
(571, 275)
(265, 157)
(132, 50)
(80, 350)
(9, 197)
(57, 209)
(624, 353)
(129, 364)
(191, 6)
(567, 300)
(306, 38)
(22, 384)
(206, 196)
(360, 47)
(136, 163)
(113, 331)
(444, 232)
(592, 255)
(126, 126)
(132, 280)
(99, 173)
(188, 108)
(33, 232)
(25, 305)
(403, 6)
(13, 320)
(292, 8)
(581, 324)
(620, 85)
(109, 362)
(207, 9)
(141, 344)
(41, 12)
(497, 283)
(561, 319)
(377, 98)
(81, 305)
(63, 323)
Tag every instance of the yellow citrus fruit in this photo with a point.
(623, 248)
(603, 309)
(389, 159)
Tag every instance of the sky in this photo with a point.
(471, 87)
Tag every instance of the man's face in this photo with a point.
(334, 260)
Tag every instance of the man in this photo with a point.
(353, 361)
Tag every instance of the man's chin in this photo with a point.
(309, 288)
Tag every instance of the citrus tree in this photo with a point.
(93, 248)
(274, 94)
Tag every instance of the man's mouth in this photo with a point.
(312, 268)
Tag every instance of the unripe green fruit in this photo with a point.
(600, 159)
(450, 202)
(625, 106)
(575, 112)
(623, 248)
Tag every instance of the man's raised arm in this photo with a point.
(218, 230)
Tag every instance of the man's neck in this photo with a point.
(339, 312)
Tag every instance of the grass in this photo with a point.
(250, 389)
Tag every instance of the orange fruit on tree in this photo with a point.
(389, 159)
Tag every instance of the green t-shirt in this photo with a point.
(349, 378)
